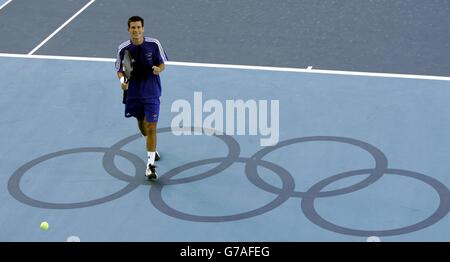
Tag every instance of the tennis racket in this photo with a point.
(127, 68)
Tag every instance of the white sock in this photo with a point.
(151, 158)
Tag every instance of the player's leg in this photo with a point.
(141, 125)
(151, 109)
(142, 128)
(151, 138)
(151, 149)
(136, 108)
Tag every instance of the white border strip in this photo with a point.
(52, 57)
(3, 5)
(61, 27)
(316, 71)
(246, 67)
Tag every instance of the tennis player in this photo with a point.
(144, 86)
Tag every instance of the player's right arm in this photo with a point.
(121, 77)
(120, 73)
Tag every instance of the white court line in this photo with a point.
(76, 58)
(246, 67)
(61, 27)
(3, 5)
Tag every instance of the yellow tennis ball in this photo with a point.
(44, 225)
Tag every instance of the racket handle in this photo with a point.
(124, 97)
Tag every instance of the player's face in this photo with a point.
(136, 30)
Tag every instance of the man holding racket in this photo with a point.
(141, 84)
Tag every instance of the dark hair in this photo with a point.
(135, 19)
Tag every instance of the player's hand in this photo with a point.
(156, 70)
(124, 86)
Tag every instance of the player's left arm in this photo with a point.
(158, 69)
(159, 59)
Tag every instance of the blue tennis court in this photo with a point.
(327, 154)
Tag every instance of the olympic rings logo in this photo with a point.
(284, 193)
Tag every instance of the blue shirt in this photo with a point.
(143, 83)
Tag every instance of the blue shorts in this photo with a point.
(143, 107)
